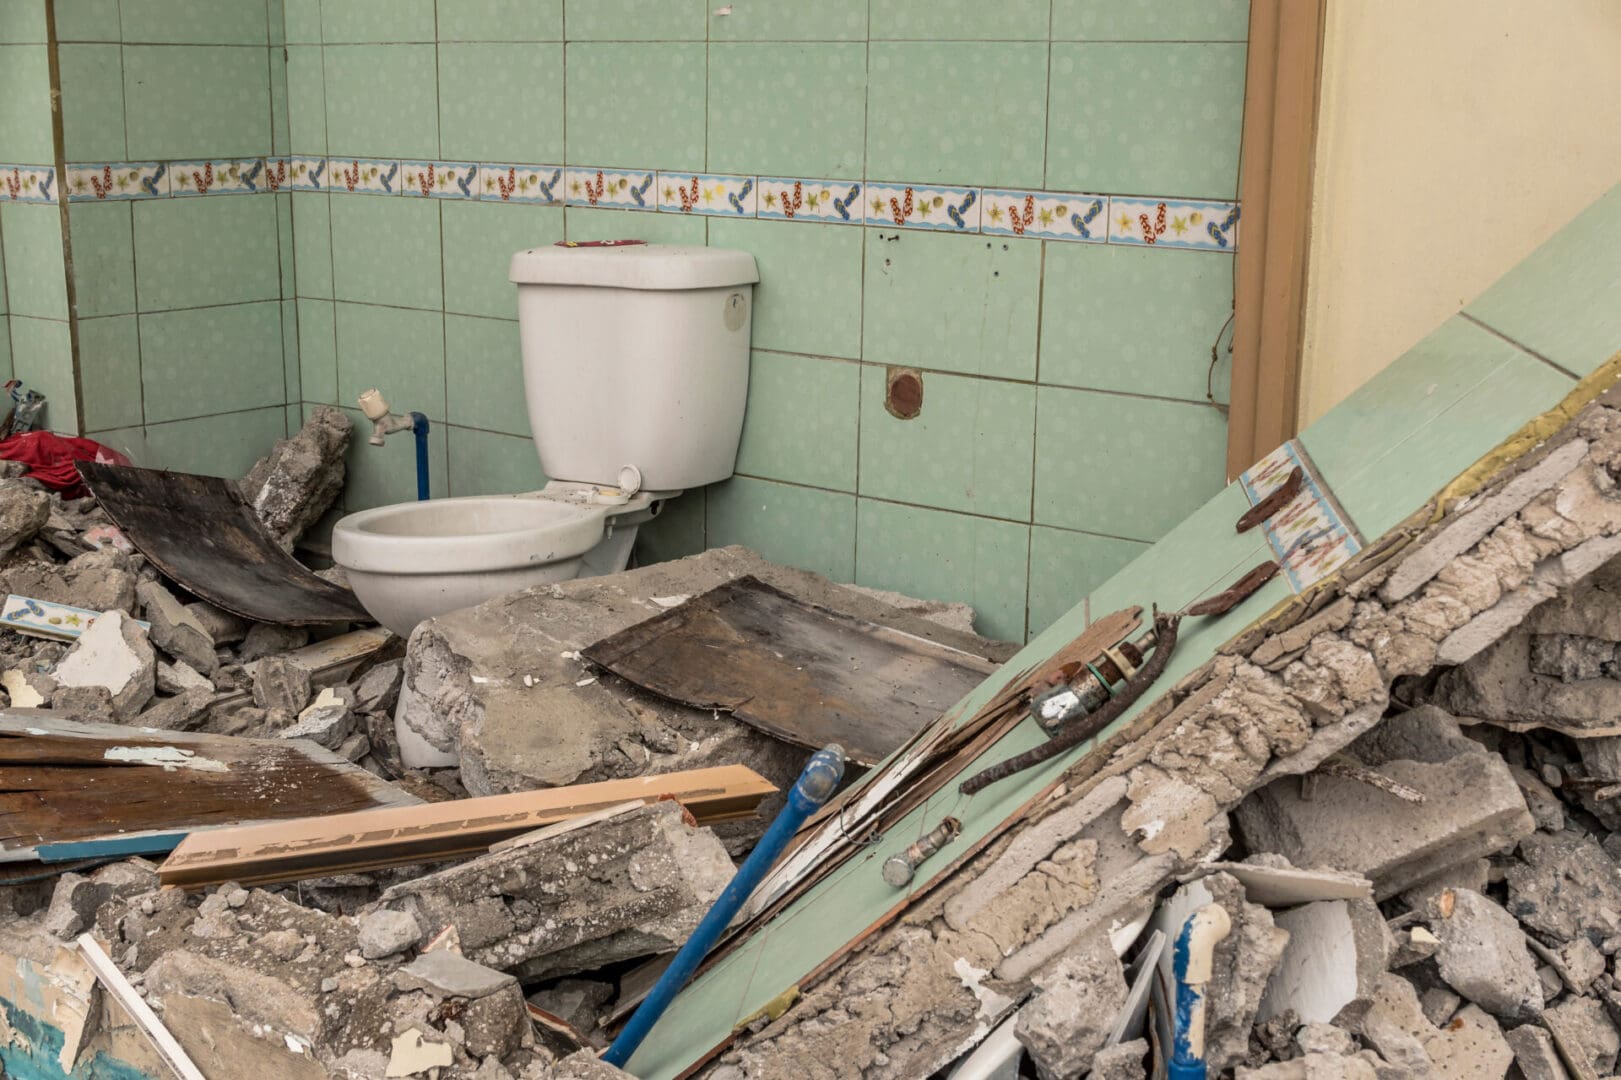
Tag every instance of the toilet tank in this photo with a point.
(635, 354)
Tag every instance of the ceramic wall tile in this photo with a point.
(382, 99)
(702, 193)
(360, 21)
(103, 260)
(23, 21)
(488, 463)
(380, 475)
(635, 20)
(968, 449)
(500, 20)
(182, 22)
(1150, 20)
(195, 252)
(119, 181)
(317, 351)
(214, 445)
(799, 526)
(185, 101)
(25, 105)
(31, 239)
(308, 174)
(92, 82)
(439, 179)
(306, 100)
(810, 285)
(956, 303)
(1132, 320)
(501, 102)
(794, 109)
(611, 187)
(292, 377)
(396, 350)
(958, 112)
(1149, 117)
(1124, 466)
(110, 372)
(939, 556)
(5, 345)
(211, 360)
(677, 532)
(521, 184)
(1173, 223)
(386, 251)
(28, 184)
(961, 20)
(1045, 215)
(827, 20)
(479, 239)
(837, 201)
(363, 176)
(312, 251)
(42, 357)
(484, 376)
(301, 21)
(224, 176)
(1065, 566)
(800, 424)
(587, 223)
(636, 106)
(280, 139)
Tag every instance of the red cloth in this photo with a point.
(50, 459)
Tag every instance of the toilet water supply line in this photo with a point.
(822, 774)
(1191, 963)
(385, 423)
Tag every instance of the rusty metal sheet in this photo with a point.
(198, 531)
(804, 674)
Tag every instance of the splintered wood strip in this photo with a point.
(397, 836)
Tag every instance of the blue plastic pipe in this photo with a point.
(822, 774)
(1190, 965)
(419, 428)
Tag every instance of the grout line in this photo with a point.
(1496, 333)
(1047, 116)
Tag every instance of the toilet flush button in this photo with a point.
(630, 480)
(737, 310)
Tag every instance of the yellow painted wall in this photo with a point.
(1455, 136)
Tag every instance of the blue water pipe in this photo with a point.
(1191, 964)
(419, 428)
(822, 774)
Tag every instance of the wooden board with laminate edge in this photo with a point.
(371, 839)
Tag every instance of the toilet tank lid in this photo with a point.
(634, 266)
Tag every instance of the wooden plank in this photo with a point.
(804, 674)
(340, 843)
(168, 1047)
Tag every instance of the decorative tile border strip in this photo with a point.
(1311, 536)
(27, 184)
(1044, 215)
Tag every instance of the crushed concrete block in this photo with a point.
(1331, 968)
(176, 630)
(1583, 961)
(1439, 1004)
(1122, 1061)
(23, 512)
(77, 898)
(447, 974)
(1470, 874)
(379, 688)
(1498, 686)
(113, 653)
(268, 639)
(1565, 886)
(222, 627)
(327, 721)
(90, 703)
(185, 711)
(384, 933)
(1546, 809)
(178, 677)
(1601, 756)
(535, 910)
(281, 683)
(1324, 1039)
(1572, 657)
(1484, 958)
(1535, 1054)
(292, 486)
(1470, 1047)
(1472, 807)
(1313, 1067)
(582, 1065)
(354, 747)
(1410, 945)
(1585, 1019)
(576, 1002)
(1395, 1025)
(1073, 1011)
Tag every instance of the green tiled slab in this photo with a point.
(31, 235)
(1157, 117)
(640, 106)
(380, 475)
(301, 21)
(382, 101)
(1130, 467)
(787, 110)
(191, 252)
(589, 223)
(957, 113)
(635, 20)
(377, 20)
(1131, 318)
(92, 81)
(677, 532)
(280, 143)
(196, 101)
(185, 22)
(396, 350)
(292, 377)
(500, 20)
(939, 556)
(312, 247)
(1561, 302)
(42, 357)
(25, 105)
(800, 425)
(968, 450)
(215, 445)
(1065, 566)
(484, 376)
(211, 360)
(306, 100)
(800, 526)
(317, 351)
(828, 20)
(501, 102)
(954, 303)
(480, 239)
(103, 259)
(1150, 20)
(110, 370)
(486, 463)
(386, 251)
(810, 284)
(23, 21)
(961, 20)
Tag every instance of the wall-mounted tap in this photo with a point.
(385, 423)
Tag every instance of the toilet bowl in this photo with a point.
(410, 561)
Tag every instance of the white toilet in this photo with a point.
(635, 367)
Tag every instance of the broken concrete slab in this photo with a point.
(114, 654)
(326, 721)
(176, 630)
(95, 581)
(446, 974)
(1535, 1054)
(384, 933)
(1074, 1010)
(221, 626)
(1484, 958)
(292, 486)
(1470, 1047)
(1318, 1066)
(178, 677)
(1585, 1020)
(1122, 1061)
(1270, 881)
(185, 711)
(1499, 687)
(281, 683)
(23, 512)
(1564, 886)
(1331, 968)
(270, 639)
(534, 910)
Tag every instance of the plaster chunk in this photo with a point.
(113, 654)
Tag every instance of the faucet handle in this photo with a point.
(373, 404)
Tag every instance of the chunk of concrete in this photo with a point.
(379, 688)
(448, 974)
(1564, 886)
(268, 639)
(1484, 958)
(1470, 1047)
(221, 626)
(91, 703)
(1499, 687)
(280, 682)
(292, 486)
(582, 1065)
(384, 933)
(1472, 807)
(1395, 1025)
(1122, 1061)
(115, 655)
(576, 1002)
(184, 711)
(96, 580)
(178, 677)
(1332, 965)
(1313, 1067)
(23, 512)
(327, 721)
(624, 887)
(1535, 1054)
(1074, 1009)
(1585, 1019)
(176, 630)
